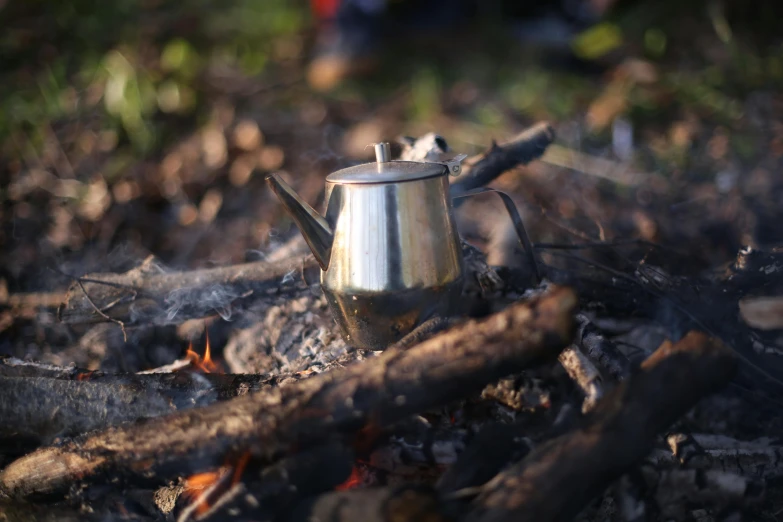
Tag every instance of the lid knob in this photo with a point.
(382, 152)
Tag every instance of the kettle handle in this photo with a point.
(516, 219)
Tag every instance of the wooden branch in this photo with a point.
(377, 392)
(148, 295)
(560, 477)
(38, 403)
(520, 150)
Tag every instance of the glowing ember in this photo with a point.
(84, 376)
(354, 480)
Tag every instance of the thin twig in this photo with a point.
(100, 312)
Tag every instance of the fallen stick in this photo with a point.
(148, 295)
(560, 477)
(178, 379)
(377, 392)
(522, 149)
(36, 409)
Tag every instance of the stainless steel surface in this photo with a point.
(314, 228)
(388, 172)
(393, 236)
(376, 320)
(382, 152)
(388, 247)
(516, 219)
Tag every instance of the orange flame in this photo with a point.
(354, 480)
(206, 365)
(195, 484)
(84, 376)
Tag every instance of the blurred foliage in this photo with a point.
(126, 62)
(135, 68)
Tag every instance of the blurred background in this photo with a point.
(147, 126)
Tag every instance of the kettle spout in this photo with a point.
(312, 225)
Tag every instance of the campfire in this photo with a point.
(542, 400)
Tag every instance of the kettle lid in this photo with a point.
(386, 171)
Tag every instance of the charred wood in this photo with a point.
(601, 350)
(149, 295)
(676, 491)
(35, 410)
(561, 476)
(23, 512)
(492, 449)
(761, 458)
(417, 446)
(378, 392)
(39, 402)
(584, 374)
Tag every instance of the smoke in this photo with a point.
(200, 301)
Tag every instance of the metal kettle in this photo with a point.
(388, 248)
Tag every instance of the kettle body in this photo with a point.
(388, 246)
(396, 258)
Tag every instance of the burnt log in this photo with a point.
(35, 410)
(149, 295)
(561, 476)
(375, 393)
